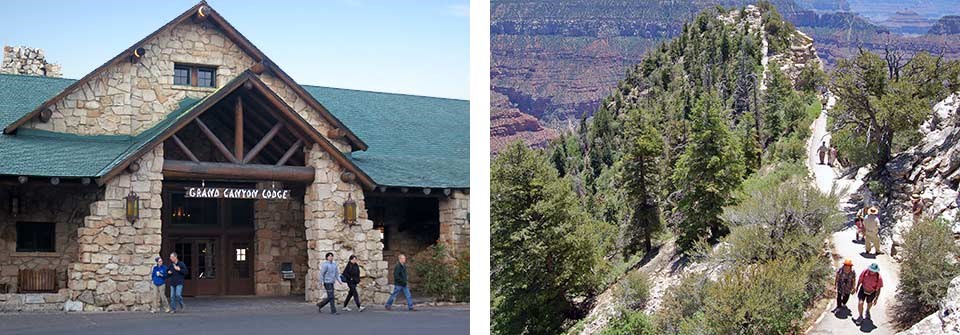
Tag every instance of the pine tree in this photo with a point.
(641, 174)
(775, 101)
(709, 170)
(544, 262)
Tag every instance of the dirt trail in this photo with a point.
(826, 179)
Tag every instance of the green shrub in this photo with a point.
(928, 266)
(630, 323)
(462, 281)
(634, 290)
(437, 274)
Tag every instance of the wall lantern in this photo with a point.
(132, 206)
(350, 210)
(15, 205)
(137, 54)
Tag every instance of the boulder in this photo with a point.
(946, 320)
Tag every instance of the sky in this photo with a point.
(418, 47)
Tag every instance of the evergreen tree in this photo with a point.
(709, 170)
(775, 100)
(644, 149)
(545, 260)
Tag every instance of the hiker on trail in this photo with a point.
(916, 204)
(832, 159)
(400, 283)
(822, 151)
(869, 286)
(328, 276)
(858, 222)
(159, 276)
(846, 282)
(351, 276)
(176, 272)
(871, 230)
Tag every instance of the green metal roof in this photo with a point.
(414, 141)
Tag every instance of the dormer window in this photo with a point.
(193, 75)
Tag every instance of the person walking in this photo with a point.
(400, 283)
(858, 223)
(328, 276)
(916, 204)
(846, 282)
(868, 287)
(822, 151)
(176, 274)
(871, 230)
(159, 275)
(351, 276)
(832, 157)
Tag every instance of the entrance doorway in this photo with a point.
(214, 237)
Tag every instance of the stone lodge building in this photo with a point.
(192, 140)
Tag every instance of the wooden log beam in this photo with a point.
(227, 171)
(183, 147)
(216, 141)
(263, 142)
(251, 134)
(337, 133)
(238, 131)
(293, 149)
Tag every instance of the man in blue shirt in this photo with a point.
(159, 275)
(328, 276)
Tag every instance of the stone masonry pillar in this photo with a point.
(454, 222)
(326, 232)
(112, 271)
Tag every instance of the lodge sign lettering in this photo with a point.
(237, 193)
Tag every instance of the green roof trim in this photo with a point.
(414, 141)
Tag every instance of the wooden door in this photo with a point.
(203, 259)
(240, 260)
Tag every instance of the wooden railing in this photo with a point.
(37, 280)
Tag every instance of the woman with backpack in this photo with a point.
(351, 276)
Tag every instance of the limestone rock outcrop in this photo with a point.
(946, 320)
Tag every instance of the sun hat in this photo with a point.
(848, 262)
(873, 210)
(874, 268)
(915, 196)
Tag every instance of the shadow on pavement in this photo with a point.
(842, 313)
(870, 256)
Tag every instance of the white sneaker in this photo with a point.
(347, 309)
(362, 308)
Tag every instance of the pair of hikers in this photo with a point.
(867, 286)
(830, 153)
(351, 276)
(162, 275)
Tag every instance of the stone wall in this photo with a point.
(65, 205)
(113, 270)
(280, 238)
(128, 98)
(28, 61)
(326, 231)
(455, 222)
(300, 106)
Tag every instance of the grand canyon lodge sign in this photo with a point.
(237, 193)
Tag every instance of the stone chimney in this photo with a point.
(28, 61)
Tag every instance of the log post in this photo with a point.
(238, 131)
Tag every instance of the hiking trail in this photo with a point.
(827, 179)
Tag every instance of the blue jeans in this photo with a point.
(329, 300)
(406, 292)
(176, 296)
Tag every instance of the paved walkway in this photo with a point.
(231, 316)
(845, 246)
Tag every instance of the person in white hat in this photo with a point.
(871, 230)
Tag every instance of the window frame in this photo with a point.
(193, 76)
(20, 228)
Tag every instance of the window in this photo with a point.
(36, 237)
(181, 75)
(205, 77)
(190, 75)
(241, 255)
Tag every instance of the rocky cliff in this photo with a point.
(931, 169)
(556, 60)
(947, 25)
